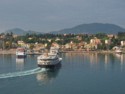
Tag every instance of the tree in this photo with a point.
(31, 46)
(101, 35)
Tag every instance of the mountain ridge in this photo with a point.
(92, 28)
(20, 31)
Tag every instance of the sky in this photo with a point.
(53, 15)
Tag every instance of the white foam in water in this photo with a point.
(22, 73)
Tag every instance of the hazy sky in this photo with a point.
(50, 15)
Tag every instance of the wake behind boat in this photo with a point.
(49, 60)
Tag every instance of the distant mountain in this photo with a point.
(19, 31)
(33, 32)
(92, 28)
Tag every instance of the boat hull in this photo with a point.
(50, 66)
(21, 56)
(20, 53)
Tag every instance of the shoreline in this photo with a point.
(13, 51)
(88, 51)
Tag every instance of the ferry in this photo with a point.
(49, 60)
(20, 52)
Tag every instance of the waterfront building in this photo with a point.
(122, 43)
(21, 43)
(94, 43)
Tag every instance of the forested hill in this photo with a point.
(92, 29)
(19, 31)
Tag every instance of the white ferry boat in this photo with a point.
(20, 52)
(50, 59)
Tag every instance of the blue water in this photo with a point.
(88, 73)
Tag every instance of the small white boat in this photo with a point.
(20, 52)
(54, 50)
(118, 51)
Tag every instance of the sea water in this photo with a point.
(80, 73)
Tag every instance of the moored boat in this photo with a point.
(20, 52)
(118, 51)
(54, 50)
